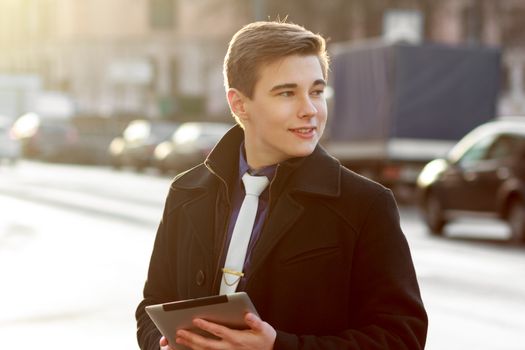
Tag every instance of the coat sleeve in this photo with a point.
(385, 301)
(157, 288)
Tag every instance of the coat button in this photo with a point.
(199, 278)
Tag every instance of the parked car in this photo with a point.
(138, 141)
(9, 145)
(45, 138)
(484, 174)
(94, 135)
(189, 146)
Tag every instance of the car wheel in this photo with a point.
(434, 215)
(162, 167)
(516, 219)
(115, 163)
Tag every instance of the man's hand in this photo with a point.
(260, 336)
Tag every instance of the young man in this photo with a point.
(327, 265)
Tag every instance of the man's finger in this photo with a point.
(254, 322)
(193, 340)
(163, 341)
(210, 327)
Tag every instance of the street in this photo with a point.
(75, 243)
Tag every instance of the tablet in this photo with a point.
(227, 310)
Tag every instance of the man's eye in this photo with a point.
(286, 93)
(317, 92)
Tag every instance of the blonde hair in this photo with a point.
(263, 42)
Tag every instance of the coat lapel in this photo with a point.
(202, 220)
(276, 226)
(318, 175)
(201, 207)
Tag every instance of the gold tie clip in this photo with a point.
(232, 272)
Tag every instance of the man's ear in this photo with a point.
(237, 100)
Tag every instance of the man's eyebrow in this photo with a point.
(293, 85)
(283, 86)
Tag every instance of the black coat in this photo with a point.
(331, 270)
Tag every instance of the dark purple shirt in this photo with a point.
(238, 194)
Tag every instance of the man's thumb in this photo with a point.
(253, 321)
(163, 341)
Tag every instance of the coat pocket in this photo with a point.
(312, 254)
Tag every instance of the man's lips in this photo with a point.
(304, 130)
(305, 133)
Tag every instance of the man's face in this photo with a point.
(286, 116)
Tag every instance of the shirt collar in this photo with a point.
(268, 171)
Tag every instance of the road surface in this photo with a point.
(75, 243)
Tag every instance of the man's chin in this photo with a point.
(304, 152)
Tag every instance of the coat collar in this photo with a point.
(318, 173)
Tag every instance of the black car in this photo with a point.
(484, 174)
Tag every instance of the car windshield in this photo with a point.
(505, 146)
(476, 152)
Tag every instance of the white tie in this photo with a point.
(232, 272)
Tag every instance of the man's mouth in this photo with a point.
(307, 133)
(304, 131)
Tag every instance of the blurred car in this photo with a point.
(189, 146)
(9, 145)
(138, 141)
(483, 174)
(94, 135)
(45, 138)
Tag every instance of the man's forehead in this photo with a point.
(295, 69)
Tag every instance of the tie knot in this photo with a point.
(254, 185)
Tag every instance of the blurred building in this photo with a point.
(493, 23)
(163, 58)
(123, 57)
(455, 22)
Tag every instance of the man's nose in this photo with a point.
(307, 108)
